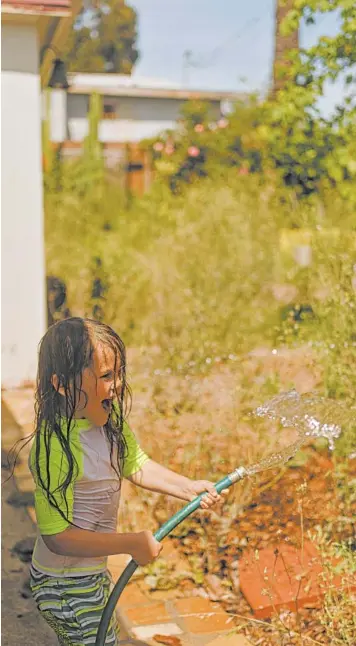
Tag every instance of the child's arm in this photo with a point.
(142, 546)
(155, 477)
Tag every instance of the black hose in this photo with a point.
(112, 601)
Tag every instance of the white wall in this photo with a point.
(138, 118)
(22, 261)
(131, 130)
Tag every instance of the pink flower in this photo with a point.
(199, 127)
(223, 123)
(158, 146)
(193, 151)
(243, 170)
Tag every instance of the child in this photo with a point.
(82, 449)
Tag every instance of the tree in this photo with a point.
(300, 137)
(284, 44)
(104, 39)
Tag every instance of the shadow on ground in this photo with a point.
(20, 620)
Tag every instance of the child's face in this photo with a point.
(101, 382)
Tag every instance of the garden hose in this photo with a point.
(161, 533)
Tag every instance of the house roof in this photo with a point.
(152, 93)
(109, 80)
(134, 86)
(52, 7)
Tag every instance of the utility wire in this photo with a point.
(211, 59)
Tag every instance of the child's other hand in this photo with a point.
(145, 548)
(211, 496)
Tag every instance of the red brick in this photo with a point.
(150, 613)
(132, 595)
(288, 579)
(230, 640)
(118, 561)
(202, 616)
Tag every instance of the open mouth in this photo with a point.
(107, 405)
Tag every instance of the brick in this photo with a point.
(147, 632)
(287, 579)
(150, 613)
(118, 561)
(202, 616)
(132, 595)
(161, 595)
(230, 640)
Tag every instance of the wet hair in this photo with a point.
(66, 350)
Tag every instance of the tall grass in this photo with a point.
(191, 274)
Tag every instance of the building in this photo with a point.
(32, 34)
(134, 108)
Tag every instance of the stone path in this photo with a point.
(194, 621)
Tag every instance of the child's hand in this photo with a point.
(195, 487)
(145, 548)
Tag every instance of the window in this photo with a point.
(109, 109)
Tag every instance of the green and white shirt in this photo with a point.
(93, 496)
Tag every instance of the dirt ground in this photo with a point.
(200, 426)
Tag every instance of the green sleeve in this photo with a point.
(49, 520)
(135, 457)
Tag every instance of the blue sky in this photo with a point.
(243, 29)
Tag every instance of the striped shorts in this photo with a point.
(73, 606)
